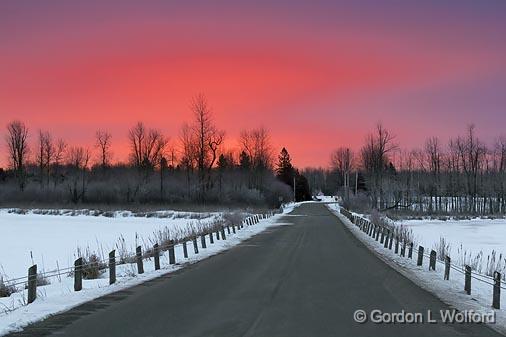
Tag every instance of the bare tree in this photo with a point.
(17, 134)
(146, 146)
(77, 160)
(103, 143)
(45, 155)
(375, 161)
(60, 149)
(434, 156)
(342, 161)
(256, 144)
(206, 138)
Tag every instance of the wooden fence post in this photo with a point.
(496, 300)
(382, 240)
(156, 255)
(432, 261)
(172, 254)
(467, 284)
(447, 267)
(138, 256)
(78, 274)
(211, 237)
(195, 246)
(218, 234)
(228, 229)
(403, 249)
(223, 237)
(233, 228)
(410, 251)
(203, 241)
(32, 283)
(378, 233)
(396, 245)
(391, 241)
(185, 250)
(420, 256)
(386, 239)
(112, 267)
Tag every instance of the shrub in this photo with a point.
(92, 267)
(6, 290)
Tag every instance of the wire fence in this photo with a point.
(389, 235)
(34, 279)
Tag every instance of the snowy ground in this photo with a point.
(46, 240)
(470, 236)
(450, 292)
(60, 295)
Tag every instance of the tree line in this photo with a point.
(199, 169)
(463, 175)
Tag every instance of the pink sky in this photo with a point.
(318, 75)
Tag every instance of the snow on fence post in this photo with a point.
(138, 255)
(223, 237)
(410, 251)
(420, 256)
(156, 256)
(195, 246)
(172, 253)
(496, 299)
(32, 283)
(185, 250)
(203, 241)
(112, 266)
(467, 284)
(78, 274)
(447, 267)
(432, 261)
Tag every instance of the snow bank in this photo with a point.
(450, 292)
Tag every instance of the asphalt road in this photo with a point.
(303, 279)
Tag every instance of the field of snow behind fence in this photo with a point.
(51, 239)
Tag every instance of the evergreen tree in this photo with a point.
(285, 171)
(244, 161)
(223, 163)
(302, 190)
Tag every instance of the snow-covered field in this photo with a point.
(470, 236)
(451, 291)
(60, 295)
(44, 240)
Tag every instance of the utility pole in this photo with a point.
(294, 199)
(356, 182)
